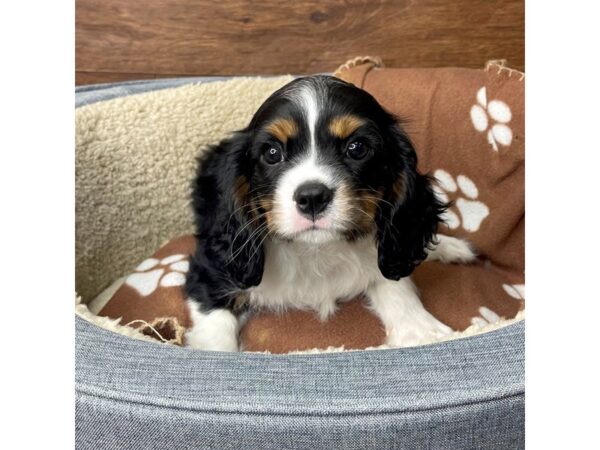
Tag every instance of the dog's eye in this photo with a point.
(356, 150)
(273, 155)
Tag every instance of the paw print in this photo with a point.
(151, 273)
(516, 291)
(486, 317)
(471, 211)
(497, 111)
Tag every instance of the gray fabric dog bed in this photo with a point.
(137, 393)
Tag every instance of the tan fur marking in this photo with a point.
(274, 217)
(283, 129)
(361, 209)
(267, 205)
(370, 203)
(344, 126)
(241, 190)
(254, 210)
(239, 302)
(398, 186)
(269, 219)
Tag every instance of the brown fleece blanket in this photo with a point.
(468, 129)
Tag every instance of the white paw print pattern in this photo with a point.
(484, 114)
(516, 291)
(471, 211)
(486, 317)
(151, 273)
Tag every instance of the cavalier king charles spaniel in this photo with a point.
(316, 201)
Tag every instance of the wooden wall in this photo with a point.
(134, 39)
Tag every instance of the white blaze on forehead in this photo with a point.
(306, 170)
(307, 100)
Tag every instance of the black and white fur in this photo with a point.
(369, 220)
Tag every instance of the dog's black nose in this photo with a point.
(312, 198)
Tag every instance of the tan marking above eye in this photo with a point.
(344, 126)
(283, 129)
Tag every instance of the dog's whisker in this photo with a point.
(248, 224)
(256, 232)
(260, 243)
(252, 234)
(246, 205)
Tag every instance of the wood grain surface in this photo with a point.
(134, 39)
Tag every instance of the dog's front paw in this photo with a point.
(216, 330)
(221, 342)
(413, 333)
(452, 250)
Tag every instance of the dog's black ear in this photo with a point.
(410, 213)
(229, 254)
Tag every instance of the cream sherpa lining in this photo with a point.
(134, 165)
(135, 161)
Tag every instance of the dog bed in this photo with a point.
(136, 145)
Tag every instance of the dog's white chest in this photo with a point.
(310, 276)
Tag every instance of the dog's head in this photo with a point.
(321, 160)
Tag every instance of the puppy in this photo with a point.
(316, 201)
